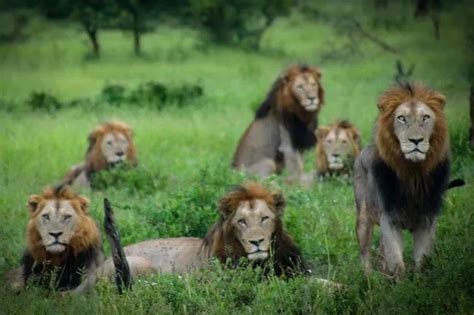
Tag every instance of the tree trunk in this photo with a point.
(92, 33)
(471, 107)
(136, 33)
(381, 4)
(422, 8)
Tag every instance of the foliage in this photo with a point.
(238, 22)
(134, 180)
(44, 101)
(185, 153)
(153, 94)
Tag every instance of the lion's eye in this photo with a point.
(67, 217)
(426, 118)
(401, 119)
(301, 87)
(344, 141)
(242, 222)
(265, 219)
(109, 142)
(328, 141)
(45, 216)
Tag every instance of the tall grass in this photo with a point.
(185, 153)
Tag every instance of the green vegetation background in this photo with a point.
(185, 153)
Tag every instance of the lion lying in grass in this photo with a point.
(338, 147)
(64, 249)
(109, 144)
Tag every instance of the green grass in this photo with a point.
(185, 153)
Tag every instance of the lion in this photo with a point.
(284, 125)
(249, 227)
(338, 145)
(399, 181)
(63, 242)
(63, 238)
(110, 143)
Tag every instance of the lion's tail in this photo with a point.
(123, 277)
(458, 182)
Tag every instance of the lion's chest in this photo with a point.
(414, 202)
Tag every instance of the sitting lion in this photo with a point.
(109, 144)
(399, 181)
(283, 125)
(337, 148)
(64, 241)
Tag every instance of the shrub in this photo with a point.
(153, 94)
(131, 179)
(113, 94)
(44, 101)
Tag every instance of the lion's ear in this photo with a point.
(83, 203)
(321, 133)
(93, 136)
(33, 202)
(279, 202)
(130, 132)
(355, 133)
(439, 99)
(317, 74)
(225, 206)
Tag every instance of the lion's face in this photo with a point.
(254, 223)
(114, 147)
(57, 223)
(305, 88)
(338, 144)
(109, 144)
(413, 126)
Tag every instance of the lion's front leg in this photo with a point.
(364, 230)
(15, 280)
(293, 158)
(393, 247)
(423, 238)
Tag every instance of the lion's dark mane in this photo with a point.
(67, 276)
(410, 205)
(286, 257)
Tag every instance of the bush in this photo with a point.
(113, 93)
(44, 101)
(152, 94)
(238, 22)
(134, 180)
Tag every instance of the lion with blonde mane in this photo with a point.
(110, 144)
(337, 148)
(63, 242)
(284, 125)
(399, 181)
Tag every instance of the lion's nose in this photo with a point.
(311, 98)
(416, 140)
(120, 153)
(257, 242)
(56, 235)
(335, 155)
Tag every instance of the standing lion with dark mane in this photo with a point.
(284, 125)
(400, 180)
